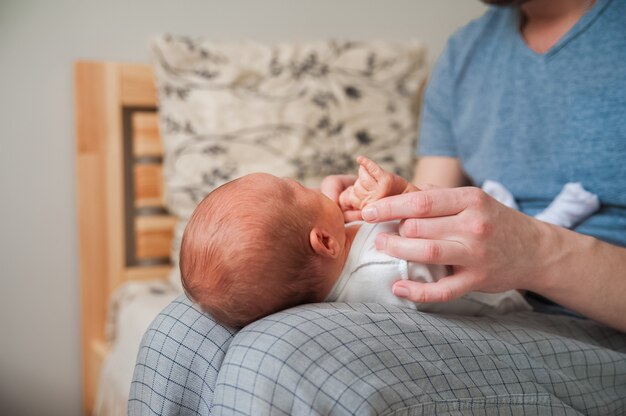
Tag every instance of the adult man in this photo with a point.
(533, 98)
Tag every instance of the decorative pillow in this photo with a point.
(303, 110)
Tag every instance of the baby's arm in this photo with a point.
(372, 184)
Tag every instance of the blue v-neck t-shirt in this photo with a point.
(536, 121)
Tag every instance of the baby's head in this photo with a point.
(260, 244)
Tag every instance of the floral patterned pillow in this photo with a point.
(303, 110)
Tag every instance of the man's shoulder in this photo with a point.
(493, 19)
(480, 33)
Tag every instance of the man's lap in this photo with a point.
(372, 359)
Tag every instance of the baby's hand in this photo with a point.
(372, 184)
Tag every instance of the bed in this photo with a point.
(320, 359)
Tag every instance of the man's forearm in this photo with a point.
(440, 171)
(583, 274)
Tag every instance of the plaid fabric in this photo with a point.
(178, 362)
(371, 359)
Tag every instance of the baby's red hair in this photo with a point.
(245, 253)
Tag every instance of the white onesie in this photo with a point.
(368, 276)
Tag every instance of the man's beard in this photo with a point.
(505, 2)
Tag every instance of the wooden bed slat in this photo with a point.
(99, 350)
(148, 185)
(154, 236)
(138, 86)
(100, 202)
(146, 137)
(104, 94)
(148, 272)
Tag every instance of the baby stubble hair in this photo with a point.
(246, 254)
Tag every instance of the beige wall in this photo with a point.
(39, 40)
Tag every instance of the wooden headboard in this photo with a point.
(124, 231)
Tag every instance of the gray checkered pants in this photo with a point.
(369, 359)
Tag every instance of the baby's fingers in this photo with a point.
(345, 198)
(349, 199)
(352, 215)
(366, 181)
(371, 167)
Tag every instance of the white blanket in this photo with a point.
(132, 308)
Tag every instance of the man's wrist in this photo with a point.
(560, 251)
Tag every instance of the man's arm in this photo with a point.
(492, 248)
(580, 272)
(440, 172)
(583, 274)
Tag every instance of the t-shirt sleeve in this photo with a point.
(436, 136)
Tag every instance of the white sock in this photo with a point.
(499, 193)
(571, 206)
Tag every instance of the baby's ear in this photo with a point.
(323, 243)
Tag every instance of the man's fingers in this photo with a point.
(423, 204)
(423, 251)
(445, 289)
(438, 228)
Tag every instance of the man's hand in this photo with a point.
(493, 248)
(490, 247)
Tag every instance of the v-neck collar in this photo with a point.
(581, 25)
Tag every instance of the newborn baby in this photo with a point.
(261, 244)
